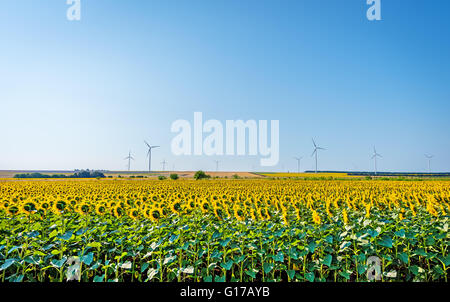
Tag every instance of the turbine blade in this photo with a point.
(315, 150)
(314, 143)
(147, 143)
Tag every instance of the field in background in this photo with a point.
(307, 175)
(183, 174)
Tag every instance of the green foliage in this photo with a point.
(201, 175)
(162, 177)
(78, 174)
(174, 176)
(203, 248)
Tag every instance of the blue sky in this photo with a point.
(81, 94)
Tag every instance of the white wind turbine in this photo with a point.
(129, 157)
(149, 154)
(429, 161)
(374, 157)
(316, 148)
(298, 159)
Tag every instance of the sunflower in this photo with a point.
(219, 213)
(155, 214)
(118, 211)
(59, 206)
(134, 214)
(28, 208)
(83, 208)
(12, 210)
(176, 207)
(100, 209)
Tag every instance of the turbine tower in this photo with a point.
(316, 148)
(217, 165)
(129, 157)
(164, 165)
(429, 161)
(298, 159)
(374, 157)
(149, 154)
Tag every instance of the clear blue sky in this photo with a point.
(81, 94)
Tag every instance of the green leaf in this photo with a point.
(267, 267)
(291, 273)
(173, 238)
(278, 257)
(87, 259)
(58, 263)
(215, 235)
(53, 233)
(66, 236)
(144, 267)
(219, 278)
(239, 259)
(361, 269)
(207, 278)
(346, 275)
(7, 263)
(224, 242)
(386, 241)
(327, 260)
(372, 233)
(98, 278)
(420, 252)
(14, 249)
(309, 277)
(445, 260)
(94, 245)
(31, 260)
(17, 279)
(251, 273)
(227, 265)
(400, 233)
(312, 247)
(403, 257)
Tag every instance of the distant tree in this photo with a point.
(201, 175)
(174, 176)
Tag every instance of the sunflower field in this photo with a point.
(223, 230)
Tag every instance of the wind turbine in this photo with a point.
(164, 165)
(374, 157)
(429, 161)
(298, 163)
(129, 157)
(316, 148)
(149, 154)
(217, 165)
